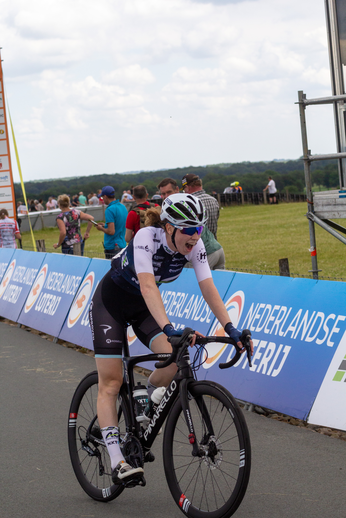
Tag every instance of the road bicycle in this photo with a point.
(206, 444)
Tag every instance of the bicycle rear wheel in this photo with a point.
(88, 453)
(213, 484)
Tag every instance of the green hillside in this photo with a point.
(288, 175)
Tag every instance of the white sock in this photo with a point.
(110, 435)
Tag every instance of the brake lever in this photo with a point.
(245, 340)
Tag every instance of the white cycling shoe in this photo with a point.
(123, 472)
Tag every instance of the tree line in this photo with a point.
(253, 177)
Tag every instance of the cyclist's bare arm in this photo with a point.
(214, 301)
(152, 296)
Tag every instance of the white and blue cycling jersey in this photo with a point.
(149, 252)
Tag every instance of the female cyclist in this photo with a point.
(129, 293)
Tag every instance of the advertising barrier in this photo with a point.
(297, 327)
(52, 292)
(76, 328)
(17, 282)
(5, 258)
(330, 404)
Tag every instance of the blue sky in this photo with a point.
(118, 86)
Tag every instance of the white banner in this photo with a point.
(7, 198)
(4, 164)
(9, 208)
(6, 194)
(3, 147)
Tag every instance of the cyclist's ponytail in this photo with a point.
(152, 217)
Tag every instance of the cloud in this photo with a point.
(152, 73)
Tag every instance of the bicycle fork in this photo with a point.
(183, 392)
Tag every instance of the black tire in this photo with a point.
(89, 456)
(206, 487)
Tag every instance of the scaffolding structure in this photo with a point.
(328, 205)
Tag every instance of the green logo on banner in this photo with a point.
(341, 372)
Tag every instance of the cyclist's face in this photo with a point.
(184, 243)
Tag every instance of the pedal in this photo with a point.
(149, 456)
(138, 481)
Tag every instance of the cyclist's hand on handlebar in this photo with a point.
(236, 335)
(193, 341)
(170, 331)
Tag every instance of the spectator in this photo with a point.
(127, 196)
(99, 195)
(271, 190)
(82, 199)
(228, 190)
(136, 216)
(50, 205)
(55, 202)
(236, 187)
(192, 184)
(75, 201)
(32, 206)
(114, 228)
(39, 206)
(167, 187)
(68, 222)
(93, 200)
(156, 196)
(21, 208)
(9, 231)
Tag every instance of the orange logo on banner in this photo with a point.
(234, 306)
(7, 277)
(81, 300)
(36, 289)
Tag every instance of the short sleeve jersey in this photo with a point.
(8, 229)
(149, 252)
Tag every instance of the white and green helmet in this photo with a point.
(183, 210)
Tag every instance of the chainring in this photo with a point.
(133, 451)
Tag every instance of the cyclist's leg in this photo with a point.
(162, 377)
(152, 336)
(110, 373)
(108, 336)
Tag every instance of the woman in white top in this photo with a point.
(129, 293)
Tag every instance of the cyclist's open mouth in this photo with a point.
(189, 246)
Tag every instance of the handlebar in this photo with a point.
(181, 342)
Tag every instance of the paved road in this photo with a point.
(295, 473)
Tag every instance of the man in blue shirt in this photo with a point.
(114, 228)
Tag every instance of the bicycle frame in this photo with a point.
(177, 387)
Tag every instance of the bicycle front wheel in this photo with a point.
(212, 484)
(88, 453)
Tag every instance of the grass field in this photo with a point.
(254, 238)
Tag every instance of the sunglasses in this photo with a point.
(190, 231)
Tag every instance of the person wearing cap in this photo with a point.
(82, 199)
(114, 227)
(192, 184)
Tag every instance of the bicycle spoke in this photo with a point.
(208, 482)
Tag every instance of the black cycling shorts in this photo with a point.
(112, 309)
